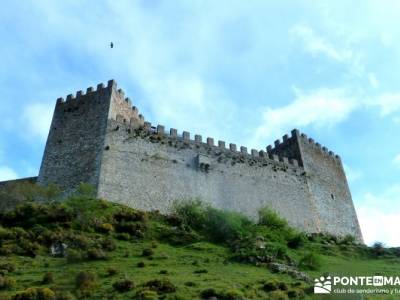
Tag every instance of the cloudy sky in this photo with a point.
(242, 71)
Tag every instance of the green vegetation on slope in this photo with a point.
(103, 250)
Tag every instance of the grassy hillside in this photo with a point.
(110, 251)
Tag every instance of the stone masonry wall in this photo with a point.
(328, 185)
(75, 142)
(149, 169)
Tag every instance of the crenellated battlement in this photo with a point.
(209, 145)
(281, 147)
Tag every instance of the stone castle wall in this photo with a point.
(101, 139)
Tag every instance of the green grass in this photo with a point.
(196, 248)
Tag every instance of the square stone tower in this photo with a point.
(76, 139)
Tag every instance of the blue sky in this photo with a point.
(241, 71)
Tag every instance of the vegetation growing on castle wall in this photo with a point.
(87, 248)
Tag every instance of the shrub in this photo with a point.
(192, 213)
(270, 286)
(278, 295)
(296, 294)
(163, 272)
(124, 285)
(270, 218)
(7, 283)
(9, 267)
(105, 228)
(111, 271)
(132, 228)
(378, 249)
(297, 241)
(108, 244)
(348, 240)
(190, 283)
(96, 254)
(35, 294)
(233, 294)
(146, 295)
(130, 215)
(45, 294)
(147, 252)
(74, 256)
(85, 282)
(227, 226)
(28, 294)
(209, 293)
(123, 236)
(141, 264)
(201, 271)
(161, 286)
(48, 278)
(310, 261)
(64, 296)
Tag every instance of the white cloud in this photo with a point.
(396, 159)
(7, 173)
(321, 108)
(379, 226)
(315, 44)
(388, 103)
(373, 81)
(379, 216)
(37, 118)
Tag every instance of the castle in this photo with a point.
(98, 137)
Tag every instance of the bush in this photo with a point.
(297, 241)
(378, 249)
(36, 294)
(9, 267)
(96, 254)
(105, 228)
(111, 271)
(146, 295)
(270, 218)
(310, 261)
(141, 264)
(209, 293)
(201, 271)
(161, 286)
(7, 283)
(108, 244)
(85, 283)
(233, 294)
(348, 240)
(124, 285)
(123, 236)
(74, 256)
(278, 295)
(48, 278)
(270, 286)
(130, 215)
(64, 296)
(227, 226)
(192, 213)
(28, 294)
(46, 294)
(148, 252)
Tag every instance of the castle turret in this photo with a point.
(76, 139)
(326, 181)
